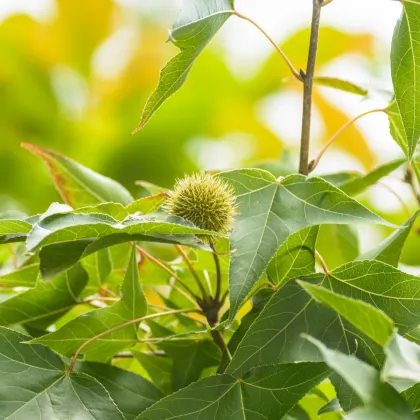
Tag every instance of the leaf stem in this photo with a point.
(193, 272)
(121, 326)
(218, 273)
(295, 73)
(308, 81)
(322, 262)
(144, 253)
(315, 162)
(325, 2)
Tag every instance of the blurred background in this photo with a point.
(75, 74)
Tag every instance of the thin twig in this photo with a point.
(308, 81)
(315, 162)
(218, 272)
(410, 178)
(323, 264)
(198, 311)
(325, 2)
(144, 253)
(121, 326)
(193, 272)
(295, 73)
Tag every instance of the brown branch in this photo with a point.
(193, 272)
(308, 82)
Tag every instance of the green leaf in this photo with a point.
(132, 305)
(340, 84)
(145, 205)
(159, 369)
(69, 227)
(275, 336)
(23, 277)
(269, 211)
(296, 257)
(338, 244)
(13, 230)
(268, 393)
(412, 396)
(360, 184)
(198, 24)
(372, 322)
(332, 407)
(34, 384)
(80, 186)
(396, 126)
(258, 302)
(402, 361)
(390, 250)
(405, 65)
(98, 267)
(378, 397)
(62, 255)
(46, 302)
(131, 393)
(190, 358)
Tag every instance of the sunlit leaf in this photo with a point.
(24, 277)
(269, 211)
(390, 250)
(340, 84)
(405, 72)
(194, 30)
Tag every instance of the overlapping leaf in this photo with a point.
(13, 230)
(390, 250)
(132, 305)
(267, 392)
(34, 384)
(405, 67)
(275, 336)
(24, 277)
(296, 257)
(46, 302)
(381, 400)
(200, 21)
(269, 211)
(65, 238)
(131, 393)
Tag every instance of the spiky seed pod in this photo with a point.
(204, 200)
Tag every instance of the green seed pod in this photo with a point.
(205, 201)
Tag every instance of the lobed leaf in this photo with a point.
(268, 392)
(34, 384)
(269, 211)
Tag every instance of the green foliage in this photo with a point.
(239, 295)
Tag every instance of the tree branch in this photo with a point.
(308, 81)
